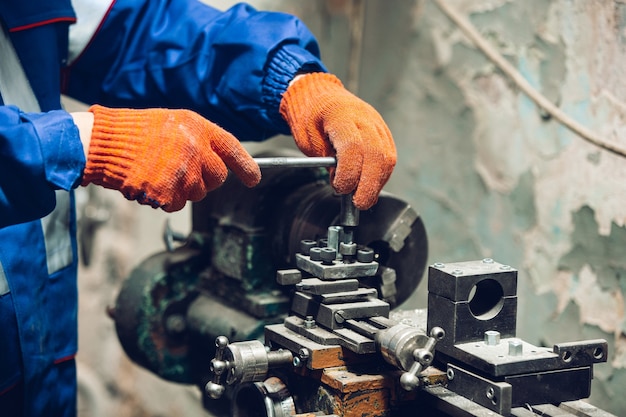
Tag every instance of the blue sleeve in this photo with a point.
(232, 67)
(39, 153)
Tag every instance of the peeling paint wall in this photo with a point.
(491, 174)
(495, 176)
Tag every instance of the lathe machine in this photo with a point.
(282, 302)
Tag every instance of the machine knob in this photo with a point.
(213, 388)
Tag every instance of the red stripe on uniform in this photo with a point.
(43, 22)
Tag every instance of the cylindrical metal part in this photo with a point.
(347, 249)
(249, 362)
(309, 322)
(365, 255)
(398, 343)
(306, 245)
(316, 254)
(278, 358)
(516, 347)
(269, 398)
(492, 338)
(296, 162)
(334, 237)
(328, 255)
(349, 215)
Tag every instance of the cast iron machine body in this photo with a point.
(281, 302)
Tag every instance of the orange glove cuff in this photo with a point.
(116, 141)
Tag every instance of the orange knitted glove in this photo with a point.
(162, 157)
(326, 120)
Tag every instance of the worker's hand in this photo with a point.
(163, 157)
(326, 120)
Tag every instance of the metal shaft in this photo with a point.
(296, 162)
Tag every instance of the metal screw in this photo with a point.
(316, 254)
(306, 245)
(450, 374)
(309, 322)
(488, 261)
(328, 255)
(339, 316)
(457, 272)
(439, 265)
(303, 354)
(505, 267)
(365, 255)
(491, 393)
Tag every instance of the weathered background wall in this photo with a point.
(491, 174)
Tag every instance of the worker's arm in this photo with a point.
(39, 153)
(232, 67)
(237, 68)
(159, 157)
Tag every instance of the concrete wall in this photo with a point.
(491, 174)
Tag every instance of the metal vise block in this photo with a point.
(467, 299)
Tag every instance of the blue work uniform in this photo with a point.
(232, 67)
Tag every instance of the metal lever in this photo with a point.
(213, 388)
(423, 357)
(296, 162)
(349, 215)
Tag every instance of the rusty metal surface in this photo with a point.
(160, 287)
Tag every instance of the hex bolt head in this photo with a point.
(487, 261)
(439, 265)
(309, 322)
(457, 272)
(516, 348)
(492, 338)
